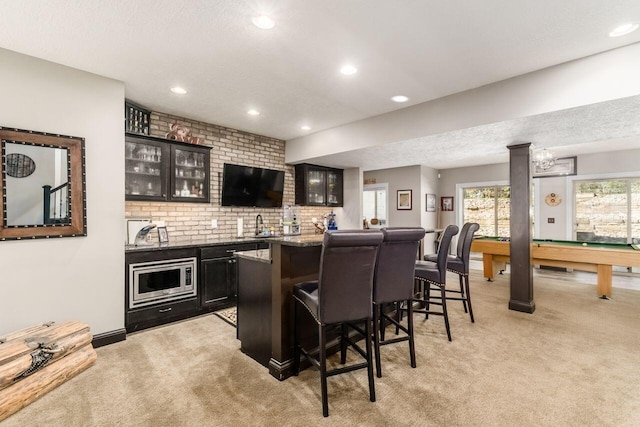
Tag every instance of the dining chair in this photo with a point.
(341, 295)
(433, 277)
(459, 264)
(393, 283)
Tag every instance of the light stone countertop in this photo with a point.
(260, 255)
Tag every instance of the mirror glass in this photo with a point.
(43, 185)
(42, 196)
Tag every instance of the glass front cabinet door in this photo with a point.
(190, 174)
(318, 186)
(334, 187)
(163, 170)
(145, 169)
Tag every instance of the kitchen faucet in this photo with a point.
(259, 225)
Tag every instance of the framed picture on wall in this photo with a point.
(446, 203)
(163, 236)
(431, 202)
(404, 200)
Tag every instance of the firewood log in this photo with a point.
(29, 389)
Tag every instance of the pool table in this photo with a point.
(584, 256)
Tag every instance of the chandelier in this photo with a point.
(544, 159)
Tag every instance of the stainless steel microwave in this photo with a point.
(156, 282)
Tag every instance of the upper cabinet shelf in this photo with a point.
(136, 118)
(158, 169)
(318, 186)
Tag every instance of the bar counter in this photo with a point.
(265, 299)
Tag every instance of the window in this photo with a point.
(374, 204)
(489, 206)
(607, 210)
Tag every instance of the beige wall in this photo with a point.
(420, 180)
(77, 278)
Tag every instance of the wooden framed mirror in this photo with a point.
(43, 189)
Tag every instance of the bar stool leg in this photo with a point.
(377, 325)
(426, 294)
(444, 311)
(323, 370)
(466, 282)
(412, 348)
(372, 389)
(343, 343)
(463, 295)
(380, 324)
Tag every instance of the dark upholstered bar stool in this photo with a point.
(459, 264)
(341, 295)
(430, 274)
(394, 283)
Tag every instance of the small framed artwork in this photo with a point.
(163, 236)
(431, 202)
(404, 200)
(446, 203)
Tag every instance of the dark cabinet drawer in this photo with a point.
(162, 313)
(225, 250)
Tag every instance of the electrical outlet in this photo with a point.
(214, 223)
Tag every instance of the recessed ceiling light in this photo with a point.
(399, 98)
(348, 70)
(263, 21)
(178, 90)
(253, 112)
(625, 29)
(305, 127)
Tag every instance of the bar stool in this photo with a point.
(460, 265)
(428, 274)
(341, 295)
(394, 283)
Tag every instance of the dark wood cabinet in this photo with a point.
(160, 314)
(136, 118)
(216, 281)
(318, 186)
(157, 169)
(137, 318)
(218, 275)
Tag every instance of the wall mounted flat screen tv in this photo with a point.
(251, 186)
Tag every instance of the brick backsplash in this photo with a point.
(191, 222)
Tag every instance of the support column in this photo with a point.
(520, 246)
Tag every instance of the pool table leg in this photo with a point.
(487, 265)
(605, 277)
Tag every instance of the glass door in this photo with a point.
(144, 173)
(190, 174)
(316, 185)
(334, 188)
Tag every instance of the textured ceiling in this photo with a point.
(424, 49)
(606, 126)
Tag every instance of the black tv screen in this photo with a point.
(251, 186)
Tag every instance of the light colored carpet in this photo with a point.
(574, 362)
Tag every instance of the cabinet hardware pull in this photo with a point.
(164, 310)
